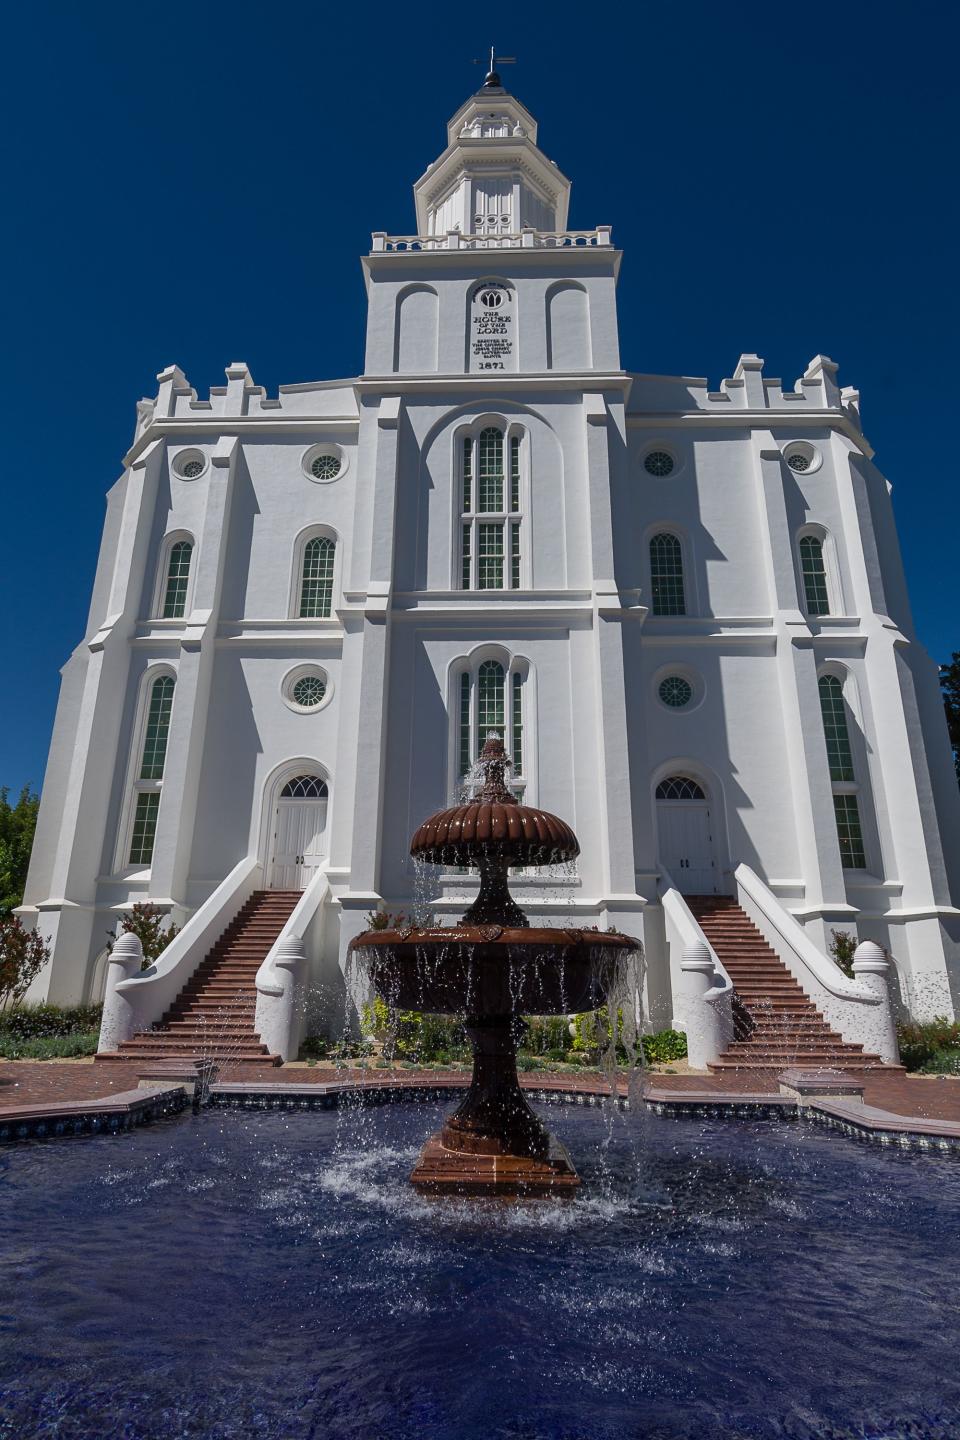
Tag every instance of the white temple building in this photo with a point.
(684, 608)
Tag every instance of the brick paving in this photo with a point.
(28, 1082)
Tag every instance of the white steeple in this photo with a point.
(492, 179)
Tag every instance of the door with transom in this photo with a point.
(685, 835)
(299, 833)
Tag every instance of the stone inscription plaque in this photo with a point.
(492, 339)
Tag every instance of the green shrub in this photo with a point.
(30, 1022)
(49, 1047)
(943, 1062)
(842, 946)
(920, 1044)
(665, 1046)
(314, 1048)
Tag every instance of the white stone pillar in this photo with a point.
(119, 1016)
(701, 1021)
(870, 966)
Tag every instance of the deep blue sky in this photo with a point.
(195, 183)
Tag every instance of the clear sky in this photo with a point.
(195, 183)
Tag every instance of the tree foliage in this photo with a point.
(23, 954)
(17, 825)
(950, 688)
(147, 923)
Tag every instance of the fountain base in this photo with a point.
(440, 1171)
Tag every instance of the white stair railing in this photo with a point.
(703, 991)
(859, 1009)
(282, 978)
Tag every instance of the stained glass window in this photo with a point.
(666, 575)
(835, 729)
(814, 575)
(316, 586)
(178, 576)
(158, 729)
(849, 833)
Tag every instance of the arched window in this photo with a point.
(490, 514)
(666, 575)
(679, 787)
(178, 577)
(815, 594)
(491, 701)
(842, 775)
(316, 578)
(150, 773)
(304, 787)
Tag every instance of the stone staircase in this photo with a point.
(776, 1025)
(213, 1016)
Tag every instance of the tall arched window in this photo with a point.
(316, 578)
(666, 575)
(815, 593)
(490, 515)
(490, 701)
(177, 579)
(150, 773)
(842, 775)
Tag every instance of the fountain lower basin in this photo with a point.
(493, 975)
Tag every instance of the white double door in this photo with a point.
(299, 843)
(685, 833)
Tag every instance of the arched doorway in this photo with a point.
(685, 835)
(299, 841)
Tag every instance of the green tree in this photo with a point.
(950, 688)
(23, 954)
(17, 825)
(148, 923)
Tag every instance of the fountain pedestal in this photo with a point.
(494, 1143)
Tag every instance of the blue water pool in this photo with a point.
(266, 1275)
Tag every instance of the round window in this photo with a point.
(324, 462)
(326, 467)
(675, 692)
(308, 692)
(189, 464)
(659, 463)
(801, 456)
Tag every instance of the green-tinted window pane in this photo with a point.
(316, 589)
(464, 746)
(158, 728)
(666, 576)
(465, 559)
(517, 725)
(490, 472)
(849, 833)
(814, 576)
(467, 476)
(835, 728)
(489, 557)
(491, 713)
(515, 474)
(144, 828)
(515, 556)
(178, 573)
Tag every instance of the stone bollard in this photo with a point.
(870, 966)
(699, 1016)
(117, 1025)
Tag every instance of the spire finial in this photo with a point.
(493, 79)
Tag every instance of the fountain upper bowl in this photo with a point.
(492, 970)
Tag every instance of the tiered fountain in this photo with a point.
(494, 968)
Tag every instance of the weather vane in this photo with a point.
(492, 77)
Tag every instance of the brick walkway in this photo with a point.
(27, 1082)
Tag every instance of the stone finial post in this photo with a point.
(117, 1024)
(870, 966)
(704, 1041)
(278, 997)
